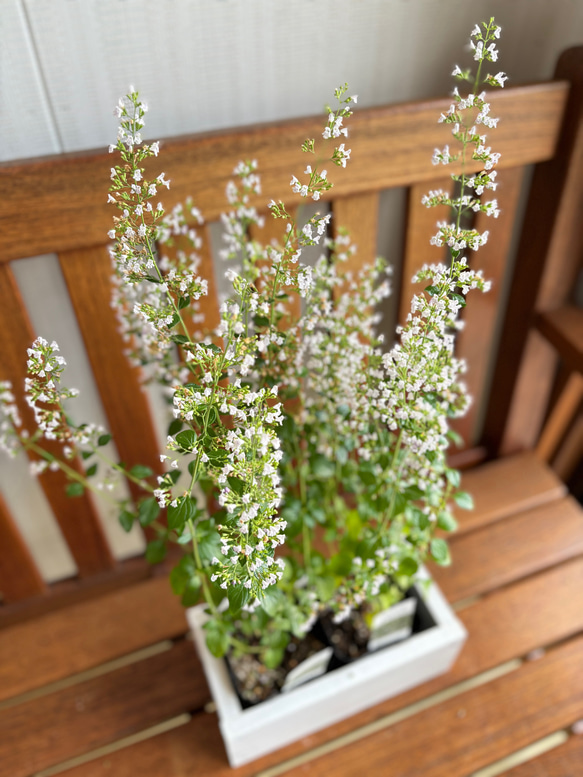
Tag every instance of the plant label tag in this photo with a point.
(309, 669)
(393, 624)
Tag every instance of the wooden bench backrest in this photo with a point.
(57, 205)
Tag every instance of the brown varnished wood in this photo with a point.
(85, 635)
(19, 575)
(476, 341)
(507, 624)
(359, 215)
(393, 146)
(562, 761)
(88, 273)
(420, 227)
(547, 259)
(42, 732)
(562, 415)
(77, 517)
(507, 550)
(474, 729)
(563, 328)
(506, 487)
(570, 452)
(273, 232)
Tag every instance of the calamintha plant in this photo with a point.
(293, 430)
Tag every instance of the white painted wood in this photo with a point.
(26, 126)
(253, 732)
(43, 289)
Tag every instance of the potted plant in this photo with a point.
(307, 473)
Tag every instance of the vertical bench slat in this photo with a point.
(19, 575)
(359, 214)
(274, 230)
(88, 276)
(421, 226)
(76, 517)
(475, 342)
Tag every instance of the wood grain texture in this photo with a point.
(547, 259)
(563, 327)
(393, 146)
(85, 635)
(506, 487)
(474, 729)
(502, 626)
(508, 550)
(562, 761)
(571, 451)
(77, 517)
(359, 214)
(87, 273)
(19, 575)
(273, 233)
(70, 722)
(476, 343)
(562, 415)
(421, 225)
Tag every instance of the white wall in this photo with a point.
(207, 64)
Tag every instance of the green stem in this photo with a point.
(199, 566)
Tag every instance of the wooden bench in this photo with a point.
(104, 660)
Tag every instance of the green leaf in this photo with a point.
(186, 439)
(191, 594)
(86, 455)
(325, 587)
(217, 642)
(175, 426)
(126, 520)
(91, 470)
(175, 320)
(322, 467)
(156, 551)
(440, 552)
(272, 657)
(148, 511)
(183, 302)
(453, 477)
(432, 290)
(238, 596)
(464, 500)
(75, 489)
(446, 521)
(179, 339)
(103, 439)
(184, 511)
(261, 321)
(272, 601)
(141, 472)
(458, 298)
(408, 566)
(236, 484)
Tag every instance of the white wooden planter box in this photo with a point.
(253, 732)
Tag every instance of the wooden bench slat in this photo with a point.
(508, 550)
(85, 635)
(420, 228)
(564, 329)
(474, 729)
(359, 214)
(100, 710)
(505, 487)
(19, 575)
(77, 517)
(394, 146)
(273, 230)
(476, 342)
(507, 624)
(88, 276)
(562, 761)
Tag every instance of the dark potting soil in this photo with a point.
(255, 683)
